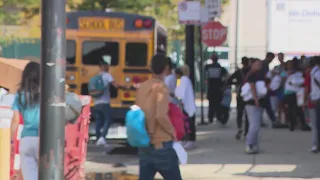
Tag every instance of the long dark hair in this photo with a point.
(30, 86)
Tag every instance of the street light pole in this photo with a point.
(52, 105)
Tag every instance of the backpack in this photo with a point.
(73, 107)
(226, 99)
(137, 134)
(97, 86)
(176, 117)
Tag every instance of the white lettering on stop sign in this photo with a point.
(218, 34)
(213, 34)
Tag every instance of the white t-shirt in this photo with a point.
(185, 92)
(105, 98)
(171, 82)
(315, 89)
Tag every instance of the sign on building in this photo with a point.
(190, 12)
(214, 8)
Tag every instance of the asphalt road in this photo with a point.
(219, 156)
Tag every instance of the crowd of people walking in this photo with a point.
(289, 92)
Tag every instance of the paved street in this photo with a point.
(219, 156)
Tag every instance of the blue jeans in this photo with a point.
(163, 160)
(102, 114)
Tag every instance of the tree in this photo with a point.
(17, 12)
(101, 5)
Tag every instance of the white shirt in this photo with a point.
(105, 98)
(275, 82)
(315, 89)
(185, 92)
(171, 82)
(294, 82)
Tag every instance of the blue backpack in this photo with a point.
(97, 85)
(137, 134)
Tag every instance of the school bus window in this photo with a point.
(94, 52)
(136, 54)
(71, 51)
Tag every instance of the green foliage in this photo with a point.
(18, 11)
(165, 11)
(101, 5)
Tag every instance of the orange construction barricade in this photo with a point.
(76, 139)
(77, 136)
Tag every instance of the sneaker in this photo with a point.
(314, 149)
(238, 135)
(249, 150)
(264, 125)
(305, 128)
(189, 145)
(101, 142)
(255, 149)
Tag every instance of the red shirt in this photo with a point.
(307, 84)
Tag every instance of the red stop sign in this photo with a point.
(214, 34)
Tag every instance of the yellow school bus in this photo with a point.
(127, 40)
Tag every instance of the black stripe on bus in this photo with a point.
(71, 68)
(136, 71)
(127, 102)
(73, 86)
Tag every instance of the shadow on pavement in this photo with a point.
(111, 176)
(219, 154)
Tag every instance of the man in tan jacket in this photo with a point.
(153, 98)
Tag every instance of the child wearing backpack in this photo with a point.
(99, 89)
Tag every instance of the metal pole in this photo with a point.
(190, 62)
(201, 77)
(52, 110)
(237, 33)
(190, 51)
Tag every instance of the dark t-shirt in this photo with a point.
(252, 79)
(215, 74)
(238, 78)
(264, 70)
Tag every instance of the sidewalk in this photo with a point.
(220, 156)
